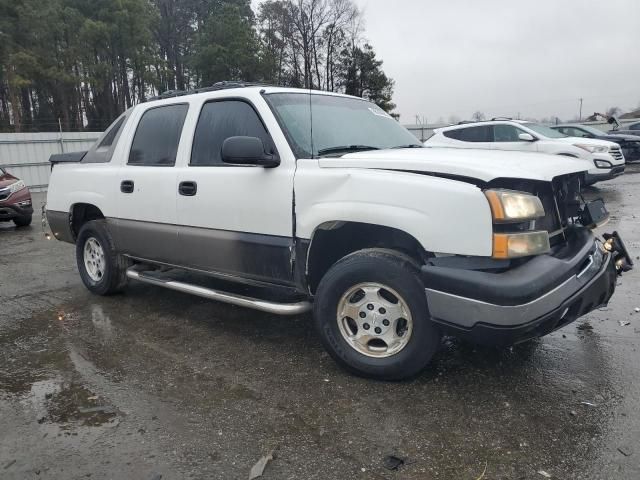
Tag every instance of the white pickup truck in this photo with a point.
(284, 200)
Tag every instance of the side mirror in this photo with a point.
(526, 137)
(247, 151)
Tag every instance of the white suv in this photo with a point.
(605, 158)
(279, 199)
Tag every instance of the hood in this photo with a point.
(626, 133)
(485, 165)
(586, 141)
(6, 179)
(616, 137)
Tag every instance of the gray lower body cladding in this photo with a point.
(60, 225)
(256, 256)
(240, 255)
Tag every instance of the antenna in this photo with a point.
(311, 115)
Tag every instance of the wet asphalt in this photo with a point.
(157, 384)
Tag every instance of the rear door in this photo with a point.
(235, 219)
(146, 223)
(479, 136)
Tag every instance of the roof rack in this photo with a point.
(500, 118)
(212, 88)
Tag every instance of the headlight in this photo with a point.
(512, 206)
(511, 245)
(602, 164)
(592, 148)
(17, 186)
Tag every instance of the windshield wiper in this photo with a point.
(411, 145)
(346, 148)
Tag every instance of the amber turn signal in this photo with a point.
(513, 245)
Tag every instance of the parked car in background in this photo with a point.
(631, 129)
(630, 144)
(391, 242)
(605, 159)
(15, 200)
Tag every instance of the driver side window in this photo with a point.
(220, 120)
(506, 133)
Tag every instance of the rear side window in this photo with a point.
(634, 126)
(108, 139)
(158, 135)
(481, 133)
(221, 120)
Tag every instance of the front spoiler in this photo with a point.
(613, 172)
(9, 212)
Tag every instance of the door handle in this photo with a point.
(188, 188)
(126, 186)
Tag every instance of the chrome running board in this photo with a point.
(232, 298)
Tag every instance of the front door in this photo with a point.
(235, 220)
(146, 223)
(506, 137)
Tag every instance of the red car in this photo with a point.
(15, 200)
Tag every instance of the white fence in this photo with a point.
(26, 155)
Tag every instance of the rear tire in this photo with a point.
(392, 336)
(23, 221)
(102, 270)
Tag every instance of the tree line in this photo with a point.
(80, 63)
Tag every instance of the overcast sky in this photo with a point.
(504, 57)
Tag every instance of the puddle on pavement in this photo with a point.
(37, 371)
(69, 405)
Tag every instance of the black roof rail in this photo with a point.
(500, 118)
(228, 84)
(462, 122)
(170, 94)
(212, 88)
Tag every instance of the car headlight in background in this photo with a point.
(512, 245)
(512, 206)
(602, 164)
(17, 186)
(592, 148)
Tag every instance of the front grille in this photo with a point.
(616, 153)
(550, 222)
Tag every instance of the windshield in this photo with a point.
(339, 124)
(544, 130)
(592, 130)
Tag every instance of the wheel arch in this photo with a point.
(81, 213)
(333, 240)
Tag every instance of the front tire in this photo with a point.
(371, 313)
(23, 221)
(102, 270)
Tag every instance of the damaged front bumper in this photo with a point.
(531, 300)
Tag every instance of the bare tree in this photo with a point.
(478, 116)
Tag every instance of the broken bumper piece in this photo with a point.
(531, 300)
